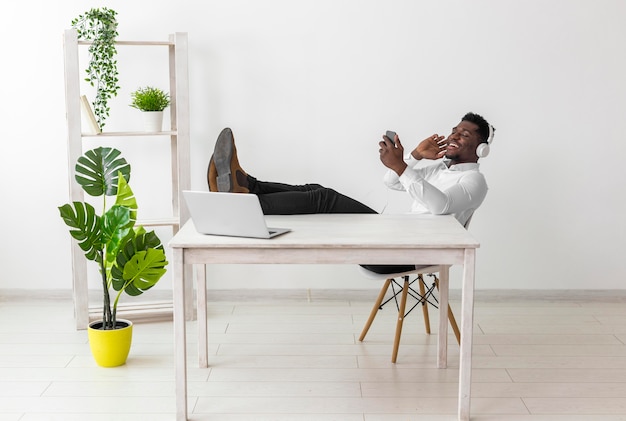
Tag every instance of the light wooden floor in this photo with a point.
(557, 357)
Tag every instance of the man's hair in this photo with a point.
(483, 126)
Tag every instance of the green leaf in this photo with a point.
(97, 171)
(144, 270)
(86, 228)
(116, 224)
(125, 197)
(140, 264)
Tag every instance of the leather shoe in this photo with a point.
(212, 175)
(230, 177)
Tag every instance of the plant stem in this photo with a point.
(106, 307)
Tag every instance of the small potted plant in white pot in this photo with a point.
(151, 101)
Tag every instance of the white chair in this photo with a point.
(424, 297)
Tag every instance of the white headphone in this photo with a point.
(482, 150)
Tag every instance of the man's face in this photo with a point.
(462, 143)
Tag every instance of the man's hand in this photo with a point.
(433, 147)
(392, 156)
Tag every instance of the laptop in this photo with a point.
(229, 214)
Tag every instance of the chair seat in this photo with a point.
(383, 276)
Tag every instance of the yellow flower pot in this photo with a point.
(110, 348)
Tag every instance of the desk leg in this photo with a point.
(180, 338)
(189, 310)
(467, 326)
(442, 344)
(203, 340)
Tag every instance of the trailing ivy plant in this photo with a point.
(100, 27)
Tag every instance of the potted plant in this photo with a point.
(100, 27)
(151, 101)
(131, 260)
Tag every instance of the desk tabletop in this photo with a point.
(400, 231)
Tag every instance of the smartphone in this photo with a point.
(391, 135)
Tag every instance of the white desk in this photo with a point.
(332, 239)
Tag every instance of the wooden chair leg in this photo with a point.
(420, 279)
(379, 300)
(396, 342)
(455, 327)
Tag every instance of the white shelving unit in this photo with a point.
(177, 46)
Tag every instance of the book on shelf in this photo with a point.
(89, 117)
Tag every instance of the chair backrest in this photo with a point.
(467, 223)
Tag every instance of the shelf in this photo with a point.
(142, 43)
(161, 222)
(139, 312)
(130, 134)
(79, 138)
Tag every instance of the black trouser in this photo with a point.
(287, 199)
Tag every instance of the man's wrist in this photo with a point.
(400, 169)
(416, 155)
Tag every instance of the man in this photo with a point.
(451, 186)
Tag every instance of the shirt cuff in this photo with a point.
(410, 160)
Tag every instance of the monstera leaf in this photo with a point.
(85, 228)
(116, 226)
(97, 171)
(126, 197)
(139, 265)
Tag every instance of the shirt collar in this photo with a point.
(461, 167)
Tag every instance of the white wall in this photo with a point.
(309, 86)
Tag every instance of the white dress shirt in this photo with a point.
(439, 189)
